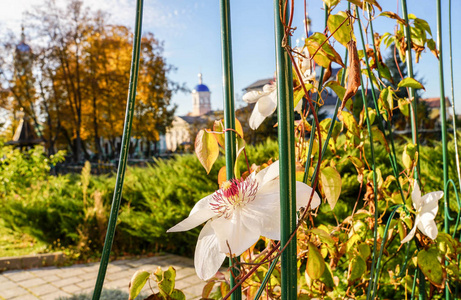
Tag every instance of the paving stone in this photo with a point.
(182, 273)
(25, 297)
(121, 284)
(11, 292)
(18, 275)
(67, 281)
(50, 278)
(43, 289)
(8, 284)
(31, 282)
(46, 272)
(86, 284)
(193, 290)
(89, 276)
(72, 289)
(80, 279)
(122, 275)
(71, 271)
(90, 268)
(55, 295)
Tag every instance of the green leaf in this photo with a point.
(404, 107)
(345, 33)
(317, 44)
(422, 24)
(411, 83)
(357, 267)
(350, 122)
(331, 3)
(364, 250)
(315, 263)
(337, 88)
(324, 237)
(137, 282)
(430, 266)
(378, 136)
(386, 99)
(299, 93)
(177, 295)
(327, 278)
(331, 185)
(206, 149)
(165, 280)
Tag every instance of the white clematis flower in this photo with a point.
(266, 103)
(238, 214)
(426, 209)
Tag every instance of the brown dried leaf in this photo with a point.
(327, 74)
(353, 80)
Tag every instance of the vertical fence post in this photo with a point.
(286, 154)
(229, 115)
(443, 120)
(411, 93)
(124, 151)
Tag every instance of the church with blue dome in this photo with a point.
(201, 103)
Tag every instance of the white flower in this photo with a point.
(238, 214)
(266, 103)
(426, 209)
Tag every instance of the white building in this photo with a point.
(184, 128)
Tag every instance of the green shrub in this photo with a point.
(72, 210)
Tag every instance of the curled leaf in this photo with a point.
(137, 282)
(353, 80)
(206, 149)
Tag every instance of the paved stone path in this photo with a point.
(52, 282)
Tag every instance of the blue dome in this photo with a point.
(201, 88)
(23, 47)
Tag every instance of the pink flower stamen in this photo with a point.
(232, 195)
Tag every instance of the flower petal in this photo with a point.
(253, 96)
(268, 174)
(235, 232)
(207, 259)
(416, 196)
(267, 104)
(412, 232)
(428, 226)
(430, 202)
(264, 211)
(256, 118)
(200, 213)
(268, 88)
(303, 194)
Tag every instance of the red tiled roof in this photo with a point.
(435, 102)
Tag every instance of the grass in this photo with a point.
(14, 243)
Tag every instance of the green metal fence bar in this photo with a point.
(229, 115)
(411, 95)
(316, 107)
(455, 138)
(443, 117)
(286, 154)
(443, 112)
(124, 151)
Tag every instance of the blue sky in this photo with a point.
(190, 31)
